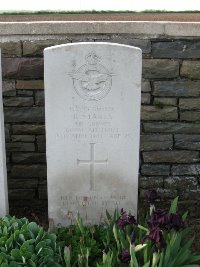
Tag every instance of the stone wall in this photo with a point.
(170, 114)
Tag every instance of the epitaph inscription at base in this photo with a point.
(92, 101)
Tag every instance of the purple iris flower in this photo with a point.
(164, 220)
(125, 219)
(156, 236)
(125, 256)
(176, 222)
(159, 218)
(151, 196)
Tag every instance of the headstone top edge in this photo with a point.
(92, 43)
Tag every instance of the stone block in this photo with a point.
(146, 87)
(157, 113)
(41, 143)
(23, 158)
(164, 101)
(156, 142)
(184, 141)
(25, 114)
(30, 85)
(21, 194)
(145, 98)
(186, 169)
(189, 103)
(42, 192)
(18, 101)
(19, 146)
(160, 68)
(39, 98)
(23, 138)
(180, 183)
(22, 183)
(22, 68)
(152, 182)
(176, 49)
(155, 169)
(176, 88)
(24, 92)
(11, 48)
(190, 115)
(28, 129)
(7, 132)
(36, 47)
(8, 88)
(28, 171)
(174, 156)
(143, 44)
(171, 127)
(190, 69)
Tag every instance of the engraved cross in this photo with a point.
(92, 163)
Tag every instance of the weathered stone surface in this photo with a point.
(176, 88)
(146, 98)
(155, 169)
(22, 183)
(186, 169)
(39, 98)
(31, 158)
(30, 85)
(11, 48)
(160, 68)
(29, 171)
(189, 103)
(28, 129)
(164, 101)
(19, 68)
(26, 114)
(15, 194)
(180, 183)
(157, 113)
(156, 142)
(171, 127)
(152, 182)
(174, 156)
(146, 87)
(19, 146)
(183, 141)
(23, 138)
(8, 88)
(36, 47)
(176, 49)
(190, 69)
(190, 115)
(18, 101)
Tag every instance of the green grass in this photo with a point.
(25, 12)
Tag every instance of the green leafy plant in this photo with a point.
(26, 244)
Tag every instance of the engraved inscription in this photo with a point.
(92, 81)
(92, 163)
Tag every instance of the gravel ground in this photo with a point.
(185, 17)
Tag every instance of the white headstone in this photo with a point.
(92, 99)
(3, 172)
